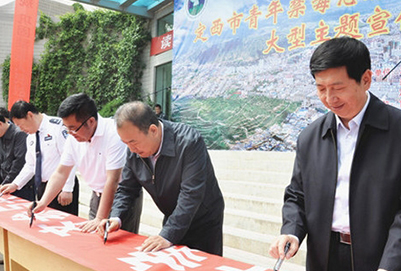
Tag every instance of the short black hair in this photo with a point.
(20, 109)
(4, 112)
(159, 106)
(339, 52)
(138, 113)
(81, 105)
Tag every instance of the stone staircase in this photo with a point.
(253, 185)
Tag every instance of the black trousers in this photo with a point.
(72, 208)
(339, 255)
(26, 192)
(131, 222)
(206, 234)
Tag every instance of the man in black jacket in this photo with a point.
(12, 155)
(171, 162)
(345, 191)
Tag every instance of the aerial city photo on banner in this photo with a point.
(241, 68)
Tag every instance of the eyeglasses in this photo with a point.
(79, 127)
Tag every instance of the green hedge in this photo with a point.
(97, 52)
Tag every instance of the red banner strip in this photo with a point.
(162, 43)
(24, 28)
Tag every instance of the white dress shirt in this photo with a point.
(104, 152)
(52, 135)
(153, 158)
(346, 142)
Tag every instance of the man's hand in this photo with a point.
(90, 225)
(277, 248)
(114, 226)
(65, 198)
(39, 208)
(8, 188)
(155, 243)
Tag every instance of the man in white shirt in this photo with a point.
(96, 149)
(52, 135)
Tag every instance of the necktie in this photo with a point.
(38, 168)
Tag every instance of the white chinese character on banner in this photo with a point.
(166, 42)
(142, 261)
(43, 216)
(13, 203)
(12, 207)
(62, 231)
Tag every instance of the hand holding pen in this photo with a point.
(1, 194)
(281, 260)
(106, 231)
(32, 213)
(107, 226)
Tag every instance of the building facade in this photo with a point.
(156, 81)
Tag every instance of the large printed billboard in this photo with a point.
(241, 68)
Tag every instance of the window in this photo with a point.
(165, 24)
(163, 88)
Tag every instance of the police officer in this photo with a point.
(52, 136)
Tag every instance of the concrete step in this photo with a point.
(268, 190)
(251, 221)
(147, 230)
(262, 161)
(262, 205)
(258, 260)
(85, 194)
(241, 219)
(151, 215)
(256, 243)
(234, 215)
(254, 176)
(83, 211)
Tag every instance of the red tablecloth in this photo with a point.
(58, 232)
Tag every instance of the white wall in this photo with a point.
(149, 74)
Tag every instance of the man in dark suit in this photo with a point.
(50, 134)
(12, 155)
(171, 162)
(345, 192)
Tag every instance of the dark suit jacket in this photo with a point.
(375, 190)
(183, 186)
(12, 153)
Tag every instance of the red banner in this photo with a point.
(24, 28)
(162, 43)
(58, 233)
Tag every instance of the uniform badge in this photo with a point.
(55, 121)
(48, 137)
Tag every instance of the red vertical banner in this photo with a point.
(24, 28)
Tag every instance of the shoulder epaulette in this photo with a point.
(55, 121)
